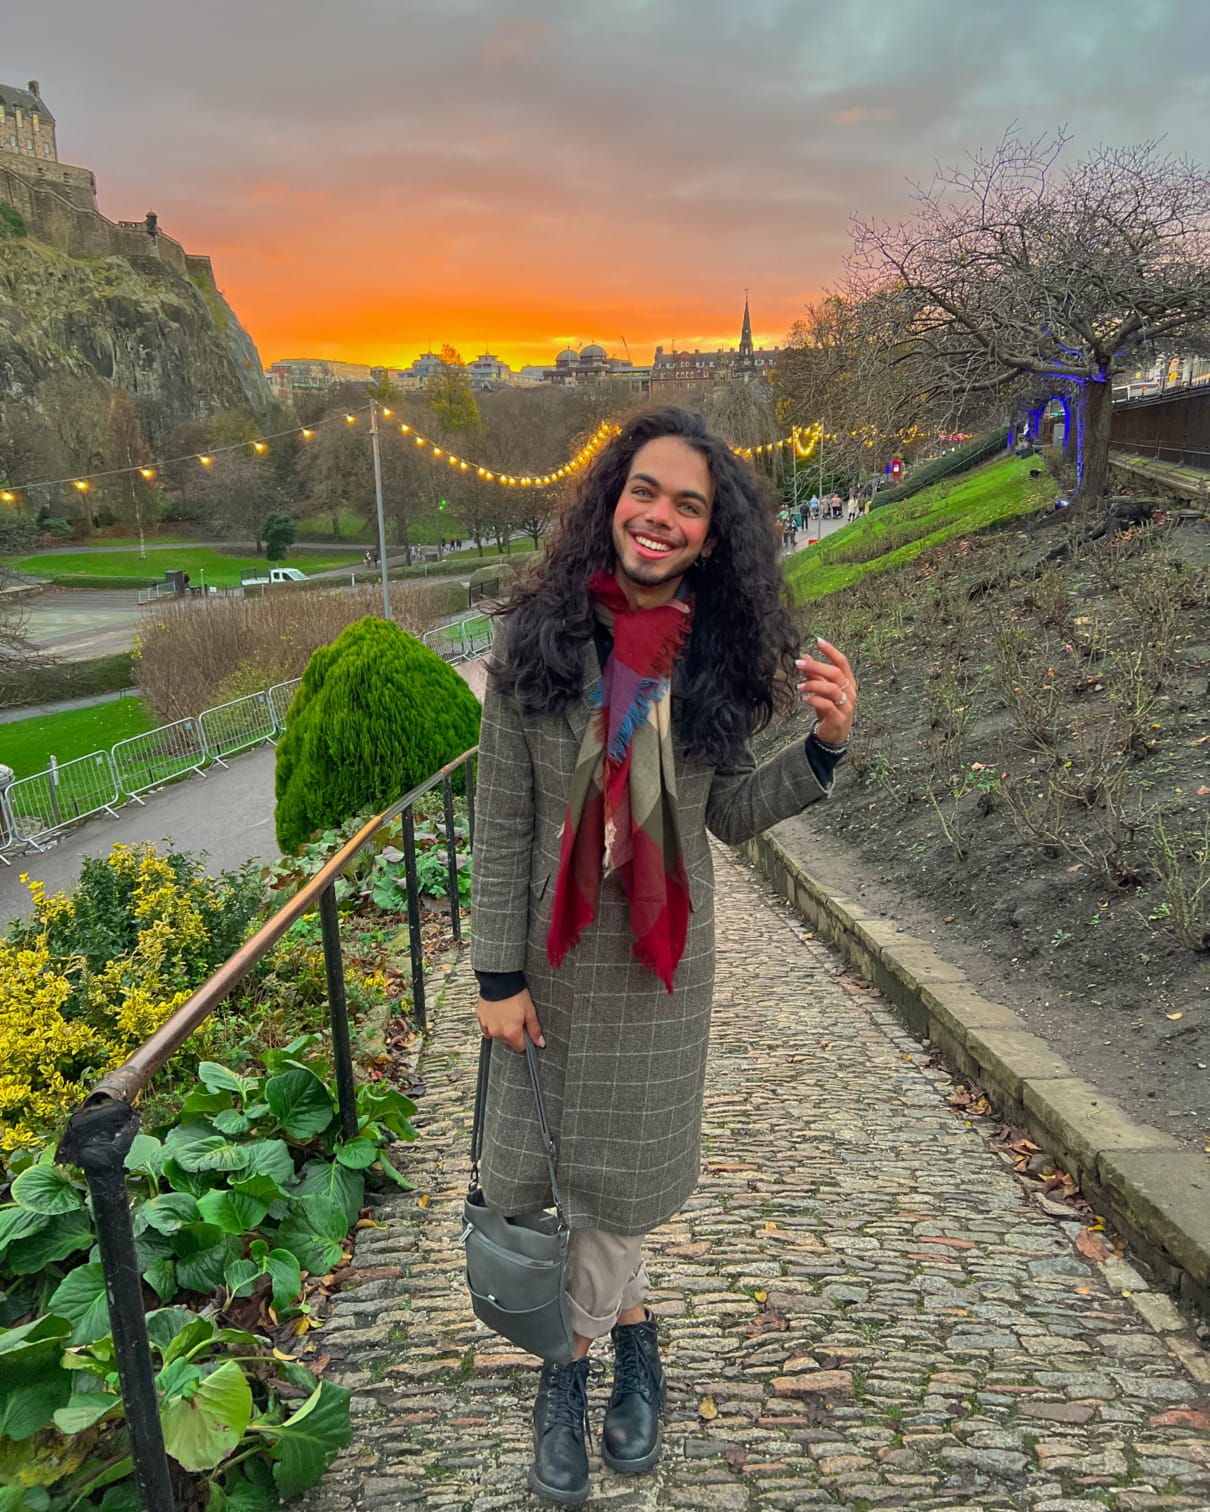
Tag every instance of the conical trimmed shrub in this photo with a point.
(376, 714)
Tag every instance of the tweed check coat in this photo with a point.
(624, 1066)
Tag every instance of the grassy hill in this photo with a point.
(889, 538)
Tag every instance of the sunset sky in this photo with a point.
(372, 176)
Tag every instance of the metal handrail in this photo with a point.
(125, 1082)
(102, 1128)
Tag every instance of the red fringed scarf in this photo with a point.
(622, 806)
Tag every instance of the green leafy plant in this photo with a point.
(227, 1408)
(254, 1189)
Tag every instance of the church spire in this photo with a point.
(745, 339)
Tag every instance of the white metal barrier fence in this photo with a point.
(35, 808)
(281, 696)
(161, 755)
(235, 726)
(461, 639)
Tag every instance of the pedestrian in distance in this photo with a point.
(628, 673)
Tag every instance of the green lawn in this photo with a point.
(127, 568)
(25, 744)
(887, 538)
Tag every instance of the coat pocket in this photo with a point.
(701, 886)
(538, 885)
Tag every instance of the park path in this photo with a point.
(861, 1307)
(227, 816)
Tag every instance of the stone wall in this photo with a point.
(78, 185)
(81, 231)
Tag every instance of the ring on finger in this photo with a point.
(844, 698)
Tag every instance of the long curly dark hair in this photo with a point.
(738, 667)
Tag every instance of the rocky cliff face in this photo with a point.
(172, 342)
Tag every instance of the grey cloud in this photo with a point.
(732, 139)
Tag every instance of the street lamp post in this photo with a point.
(382, 524)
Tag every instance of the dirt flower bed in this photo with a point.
(1030, 783)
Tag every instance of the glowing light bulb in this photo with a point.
(259, 446)
(307, 434)
(436, 451)
(404, 430)
(81, 484)
(9, 498)
(463, 466)
(205, 460)
(419, 440)
(388, 413)
(350, 419)
(146, 472)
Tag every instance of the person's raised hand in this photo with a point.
(509, 1018)
(829, 688)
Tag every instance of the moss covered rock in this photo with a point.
(376, 714)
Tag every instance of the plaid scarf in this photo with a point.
(622, 807)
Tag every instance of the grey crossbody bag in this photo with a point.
(514, 1265)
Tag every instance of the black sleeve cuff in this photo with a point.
(495, 986)
(823, 763)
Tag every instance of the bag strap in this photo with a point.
(548, 1144)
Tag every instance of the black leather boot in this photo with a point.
(630, 1441)
(560, 1469)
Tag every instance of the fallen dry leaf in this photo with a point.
(735, 1457)
(1091, 1245)
(769, 1321)
(1174, 1015)
(1203, 790)
(706, 1409)
(760, 1296)
(423, 1200)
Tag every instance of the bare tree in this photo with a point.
(1011, 266)
(131, 491)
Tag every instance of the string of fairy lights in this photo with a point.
(802, 440)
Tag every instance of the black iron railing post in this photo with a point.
(98, 1139)
(338, 1008)
(451, 852)
(414, 943)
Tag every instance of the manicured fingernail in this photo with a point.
(541, 1042)
(819, 640)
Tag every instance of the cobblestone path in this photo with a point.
(862, 1307)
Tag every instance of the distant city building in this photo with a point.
(745, 362)
(312, 375)
(591, 364)
(1164, 374)
(485, 371)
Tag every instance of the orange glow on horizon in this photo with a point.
(384, 296)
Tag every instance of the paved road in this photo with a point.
(80, 626)
(228, 814)
(861, 1308)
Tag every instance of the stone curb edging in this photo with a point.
(1151, 1189)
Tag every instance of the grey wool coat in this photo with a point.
(624, 1065)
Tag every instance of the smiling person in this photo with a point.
(627, 676)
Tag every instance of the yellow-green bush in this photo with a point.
(90, 975)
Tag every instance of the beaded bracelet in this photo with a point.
(832, 750)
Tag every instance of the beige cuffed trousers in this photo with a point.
(604, 1276)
